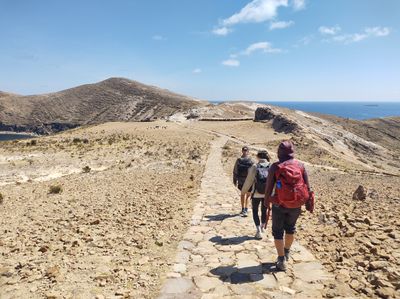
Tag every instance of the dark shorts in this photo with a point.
(240, 184)
(284, 220)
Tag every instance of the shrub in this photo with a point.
(55, 189)
(86, 169)
(32, 142)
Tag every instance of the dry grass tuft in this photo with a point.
(55, 189)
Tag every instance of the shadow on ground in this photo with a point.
(236, 275)
(231, 241)
(220, 217)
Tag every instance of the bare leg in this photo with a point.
(246, 202)
(289, 238)
(243, 200)
(279, 244)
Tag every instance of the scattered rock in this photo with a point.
(386, 292)
(44, 249)
(53, 272)
(360, 193)
(375, 265)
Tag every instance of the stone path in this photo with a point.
(219, 257)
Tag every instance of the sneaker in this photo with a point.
(241, 212)
(287, 254)
(262, 227)
(281, 264)
(258, 235)
(244, 214)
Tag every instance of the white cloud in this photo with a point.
(377, 31)
(265, 47)
(304, 41)
(280, 25)
(231, 62)
(299, 4)
(257, 11)
(197, 71)
(357, 37)
(222, 31)
(158, 37)
(329, 30)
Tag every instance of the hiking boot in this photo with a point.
(287, 254)
(258, 235)
(281, 264)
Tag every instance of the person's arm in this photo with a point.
(305, 178)
(235, 172)
(251, 175)
(270, 185)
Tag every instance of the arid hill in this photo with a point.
(115, 99)
(6, 94)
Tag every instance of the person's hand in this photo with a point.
(267, 203)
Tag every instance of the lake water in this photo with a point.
(5, 137)
(354, 110)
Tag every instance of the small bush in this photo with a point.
(55, 189)
(76, 140)
(32, 142)
(86, 169)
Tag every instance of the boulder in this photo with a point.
(360, 193)
(280, 122)
(264, 113)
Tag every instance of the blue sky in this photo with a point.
(209, 49)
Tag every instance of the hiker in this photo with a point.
(292, 190)
(256, 181)
(240, 171)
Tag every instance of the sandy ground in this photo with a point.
(127, 197)
(115, 225)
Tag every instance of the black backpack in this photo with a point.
(261, 178)
(243, 167)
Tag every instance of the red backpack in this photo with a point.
(291, 190)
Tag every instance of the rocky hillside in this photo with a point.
(370, 145)
(115, 99)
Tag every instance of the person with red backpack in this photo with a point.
(256, 181)
(292, 190)
(240, 172)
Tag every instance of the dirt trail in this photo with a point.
(219, 258)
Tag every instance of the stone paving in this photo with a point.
(220, 258)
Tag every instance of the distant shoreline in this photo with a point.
(8, 136)
(354, 110)
(17, 133)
